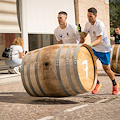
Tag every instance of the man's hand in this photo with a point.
(82, 40)
(112, 38)
(60, 42)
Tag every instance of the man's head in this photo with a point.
(92, 14)
(62, 16)
(117, 30)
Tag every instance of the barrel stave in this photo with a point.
(47, 71)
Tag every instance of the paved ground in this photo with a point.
(3, 66)
(16, 104)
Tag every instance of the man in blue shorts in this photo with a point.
(100, 46)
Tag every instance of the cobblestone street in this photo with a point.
(16, 104)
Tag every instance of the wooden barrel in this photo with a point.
(59, 70)
(115, 58)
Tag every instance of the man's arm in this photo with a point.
(59, 42)
(82, 37)
(97, 41)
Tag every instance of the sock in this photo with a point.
(114, 82)
(98, 82)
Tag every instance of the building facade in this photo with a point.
(35, 20)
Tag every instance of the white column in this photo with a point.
(24, 24)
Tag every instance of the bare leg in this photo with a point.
(109, 71)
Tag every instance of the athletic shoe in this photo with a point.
(97, 88)
(16, 70)
(11, 71)
(115, 89)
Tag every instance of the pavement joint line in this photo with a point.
(4, 81)
(46, 118)
(100, 101)
(75, 108)
(81, 106)
(8, 76)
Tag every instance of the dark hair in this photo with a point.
(63, 13)
(92, 10)
(117, 26)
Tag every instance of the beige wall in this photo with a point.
(2, 44)
(103, 13)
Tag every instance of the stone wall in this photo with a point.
(81, 7)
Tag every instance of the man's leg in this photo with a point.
(98, 85)
(112, 77)
(109, 71)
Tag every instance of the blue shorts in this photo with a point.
(103, 57)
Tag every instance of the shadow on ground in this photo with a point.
(24, 98)
(4, 73)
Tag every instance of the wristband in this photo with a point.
(90, 45)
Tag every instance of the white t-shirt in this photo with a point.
(96, 30)
(16, 50)
(68, 35)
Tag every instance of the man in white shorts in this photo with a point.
(66, 33)
(100, 46)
